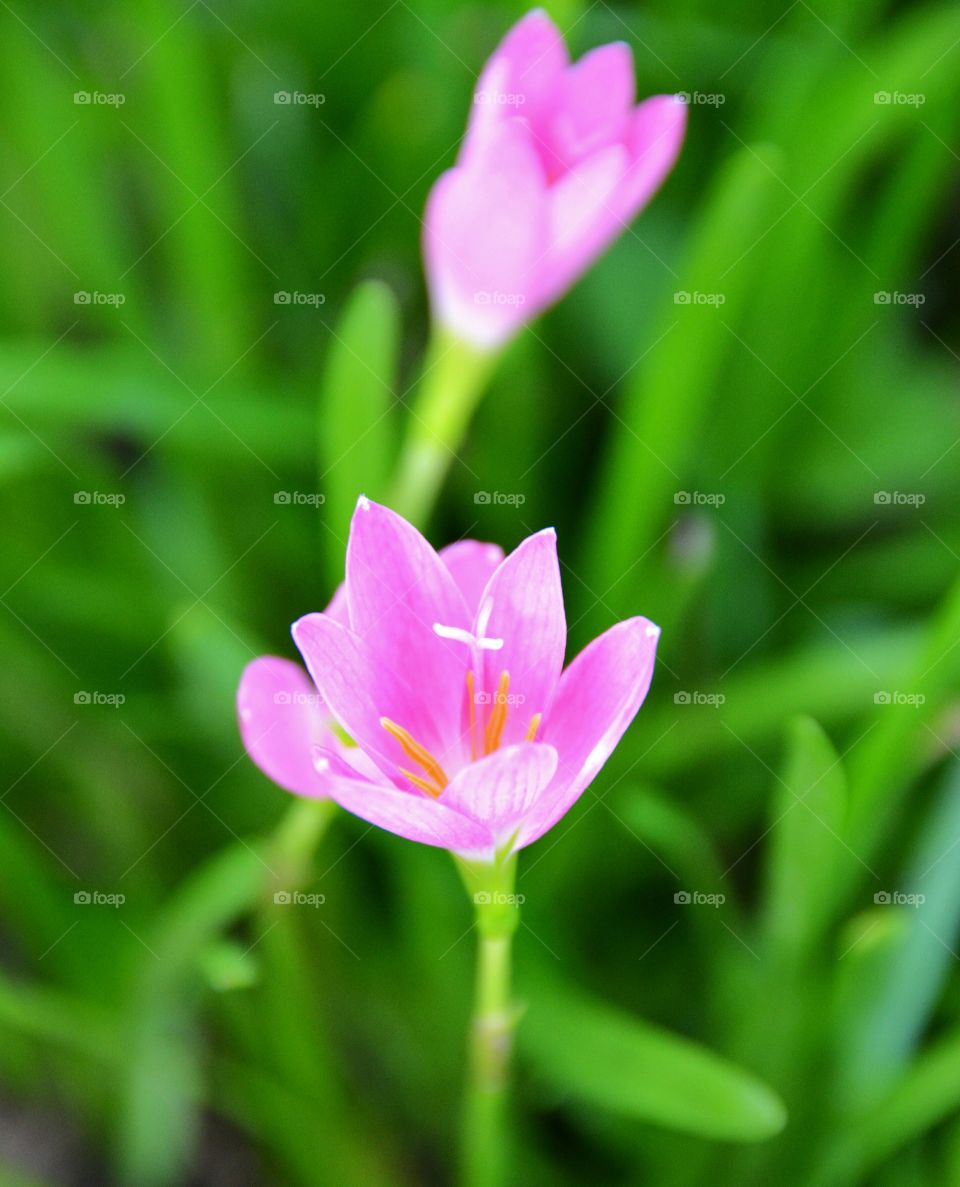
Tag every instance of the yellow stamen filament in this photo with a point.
(420, 755)
(423, 784)
(434, 779)
(471, 697)
(498, 716)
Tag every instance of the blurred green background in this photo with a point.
(769, 866)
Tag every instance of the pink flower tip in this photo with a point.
(437, 704)
(556, 162)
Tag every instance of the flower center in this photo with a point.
(434, 778)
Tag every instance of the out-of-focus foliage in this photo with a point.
(744, 423)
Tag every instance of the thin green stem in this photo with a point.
(491, 1039)
(294, 842)
(454, 377)
(485, 1153)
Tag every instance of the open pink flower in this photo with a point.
(445, 671)
(555, 164)
(283, 717)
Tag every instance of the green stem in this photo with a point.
(294, 842)
(454, 377)
(485, 1158)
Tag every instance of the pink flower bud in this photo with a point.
(556, 162)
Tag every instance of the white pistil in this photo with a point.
(478, 641)
(459, 635)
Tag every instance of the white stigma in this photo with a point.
(459, 635)
(478, 640)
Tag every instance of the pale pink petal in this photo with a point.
(522, 605)
(492, 106)
(338, 608)
(282, 717)
(398, 588)
(416, 817)
(348, 762)
(483, 231)
(593, 103)
(519, 79)
(585, 206)
(536, 51)
(654, 142)
(598, 697)
(471, 565)
(395, 578)
(359, 762)
(499, 790)
(360, 689)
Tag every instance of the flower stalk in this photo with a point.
(296, 839)
(454, 377)
(485, 1138)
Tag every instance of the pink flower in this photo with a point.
(283, 717)
(555, 164)
(445, 671)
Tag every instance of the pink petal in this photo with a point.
(471, 565)
(535, 49)
(282, 717)
(598, 697)
(498, 790)
(350, 762)
(592, 104)
(492, 106)
(398, 588)
(524, 601)
(654, 142)
(337, 608)
(585, 217)
(483, 233)
(519, 79)
(360, 689)
(416, 817)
